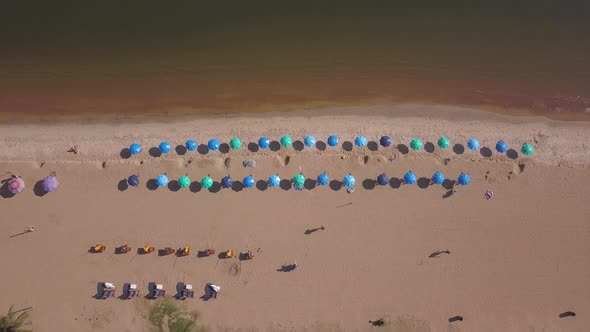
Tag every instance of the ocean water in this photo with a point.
(136, 57)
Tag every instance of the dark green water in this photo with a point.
(244, 56)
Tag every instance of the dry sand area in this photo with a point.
(516, 261)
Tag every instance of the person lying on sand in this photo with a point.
(74, 149)
(378, 322)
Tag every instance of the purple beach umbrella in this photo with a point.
(50, 183)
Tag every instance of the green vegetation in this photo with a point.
(165, 316)
(14, 322)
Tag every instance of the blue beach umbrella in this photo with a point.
(213, 144)
(191, 145)
(333, 140)
(135, 148)
(438, 178)
(409, 178)
(501, 147)
(133, 180)
(161, 180)
(309, 141)
(227, 182)
(264, 142)
(323, 179)
(463, 179)
(249, 181)
(165, 147)
(360, 141)
(385, 141)
(383, 179)
(349, 181)
(274, 180)
(473, 144)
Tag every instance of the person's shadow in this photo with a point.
(567, 314)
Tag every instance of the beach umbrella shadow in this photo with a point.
(38, 189)
(321, 145)
(253, 147)
(261, 185)
(395, 183)
(215, 187)
(369, 184)
(448, 184)
(423, 182)
(224, 148)
(403, 149)
(203, 149)
(512, 154)
(373, 146)
(125, 153)
(151, 184)
(458, 148)
(173, 185)
(180, 150)
(155, 152)
(429, 147)
(123, 185)
(285, 184)
(274, 146)
(195, 187)
(485, 151)
(310, 184)
(335, 185)
(237, 186)
(298, 145)
(347, 146)
(4, 192)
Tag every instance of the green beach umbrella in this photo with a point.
(527, 149)
(206, 182)
(299, 180)
(184, 181)
(235, 143)
(286, 141)
(444, 142)
(416, 144)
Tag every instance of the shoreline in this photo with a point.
(324, 108)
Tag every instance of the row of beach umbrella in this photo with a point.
(17, 184)
(333, 140)
(298, 180)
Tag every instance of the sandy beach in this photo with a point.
(516, 261)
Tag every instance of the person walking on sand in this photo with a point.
(30, 229)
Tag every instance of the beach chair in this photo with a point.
(166, 251)
(249, 163)
(228, 254)
(489, 194)
(247, 255)
(211, 291)
(130, 291)
(206, 253)
(105, 290)
(183, 251)
(98, 248)
(147, 249)
(184, 291)
(155, 290)
(122, 249)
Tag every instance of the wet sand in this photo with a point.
(516, 262)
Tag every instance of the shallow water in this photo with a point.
(111, 57)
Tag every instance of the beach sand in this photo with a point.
(517, 261)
